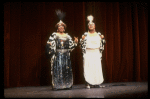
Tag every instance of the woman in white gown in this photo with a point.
(92, 44)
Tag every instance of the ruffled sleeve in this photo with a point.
(83, 43)
(51, 48)
(72, 44)
(102, 43)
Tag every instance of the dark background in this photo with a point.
(28, 25)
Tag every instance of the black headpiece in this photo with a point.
(60, 15)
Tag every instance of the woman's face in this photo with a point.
(91, 26)
(61, 28)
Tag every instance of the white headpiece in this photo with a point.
(90, 18)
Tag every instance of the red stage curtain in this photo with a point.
(28, 25)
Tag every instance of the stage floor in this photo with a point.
(111, 90)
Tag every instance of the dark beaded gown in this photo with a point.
(61, 69)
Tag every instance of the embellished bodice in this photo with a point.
(93, 41)
(62, 42)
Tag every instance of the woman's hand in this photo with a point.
(76, 39)
(49, 43)
(83, 37)
(102, 36)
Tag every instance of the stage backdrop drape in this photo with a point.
(28, 25)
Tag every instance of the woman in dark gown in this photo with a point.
(60, 45)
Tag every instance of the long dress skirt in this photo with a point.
(62, 76)
(92, 67)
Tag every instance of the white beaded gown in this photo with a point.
(92, 55)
